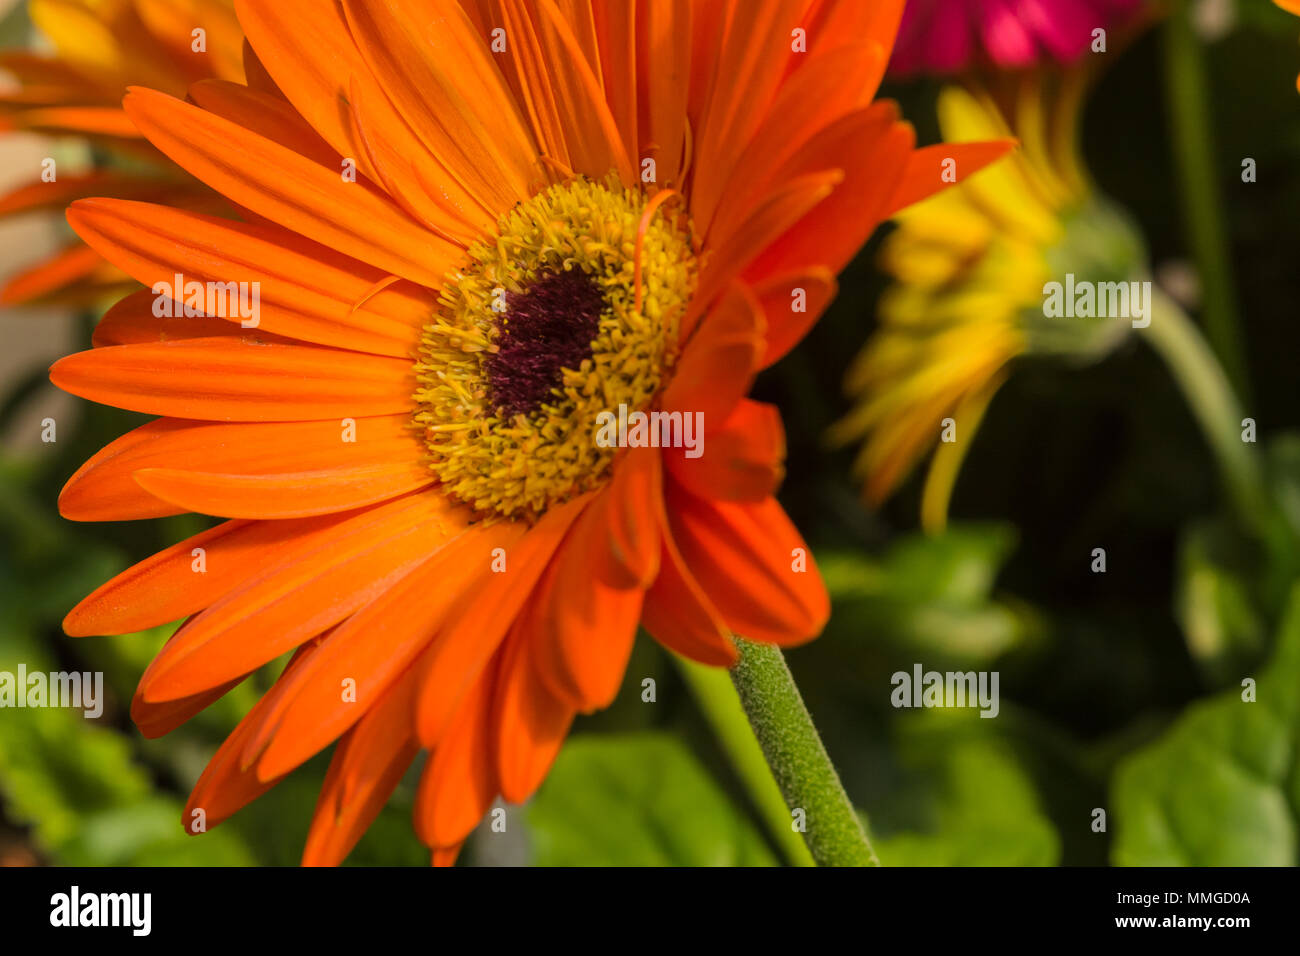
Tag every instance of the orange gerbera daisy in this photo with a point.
(102, 47)
(476, 228)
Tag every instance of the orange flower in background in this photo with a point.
(484, 238)
(102, 47)
(1290, 6)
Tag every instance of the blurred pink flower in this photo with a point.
(944, 36)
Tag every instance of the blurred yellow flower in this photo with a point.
(970, 266)
(101, 47)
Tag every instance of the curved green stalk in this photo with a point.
(1188, 100)
(1210, 397)
(721, 706)
(798, 760)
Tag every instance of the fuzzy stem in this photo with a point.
(799, 761)
(720, 704)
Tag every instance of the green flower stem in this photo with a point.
(1209, 394)
(721, 706)
(1186, 90)
(798, 760)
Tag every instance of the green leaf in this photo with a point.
(638, 800)
(1219, 788)
(79, 785)
(931, 594)
(56, 766)
(970, 799)
(150, 833)
(1233, 584)
(1217, 601)
(1283, 465)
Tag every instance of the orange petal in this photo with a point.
(923, 175)
(106, 488)
(371, 649)
(158, 719)
(563, 92)
(459, 782)
(792, 304)
(754, 46)
(718, 364)
(172, 24)
(822, 91)
(581, 19)
(290, 189)
(314, 60)
(92, 120)
(743, 460)
(754, 566)
(870, 147)
(767, 222)
(256, 73)
(38, 69)
(130, 321)
(266, 115)
(422, 187)
(368, 763)
(831, 23)
(309, 590)
(57, 195)
(584, 628)
(663, 37)
(224, 786)
(288, 494)
(529, 723)
(446, 86)
(614, 24)
(229, 379)
(174, 583)
(304, 291)
(72, 263)
(631, 517)
(483, 614)
(445, 855)
(680, 616)
(308, 53)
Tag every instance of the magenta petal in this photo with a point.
(1064, 26)
(946, 36)
(950, 42)
(1005, 35)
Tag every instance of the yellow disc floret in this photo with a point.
(541, 330)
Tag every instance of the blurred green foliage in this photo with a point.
(976, 805)
(638, 800)
(932, 595)
(1220, 788)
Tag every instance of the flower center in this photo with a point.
(543, 328)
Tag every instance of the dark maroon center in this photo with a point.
(546, 328)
